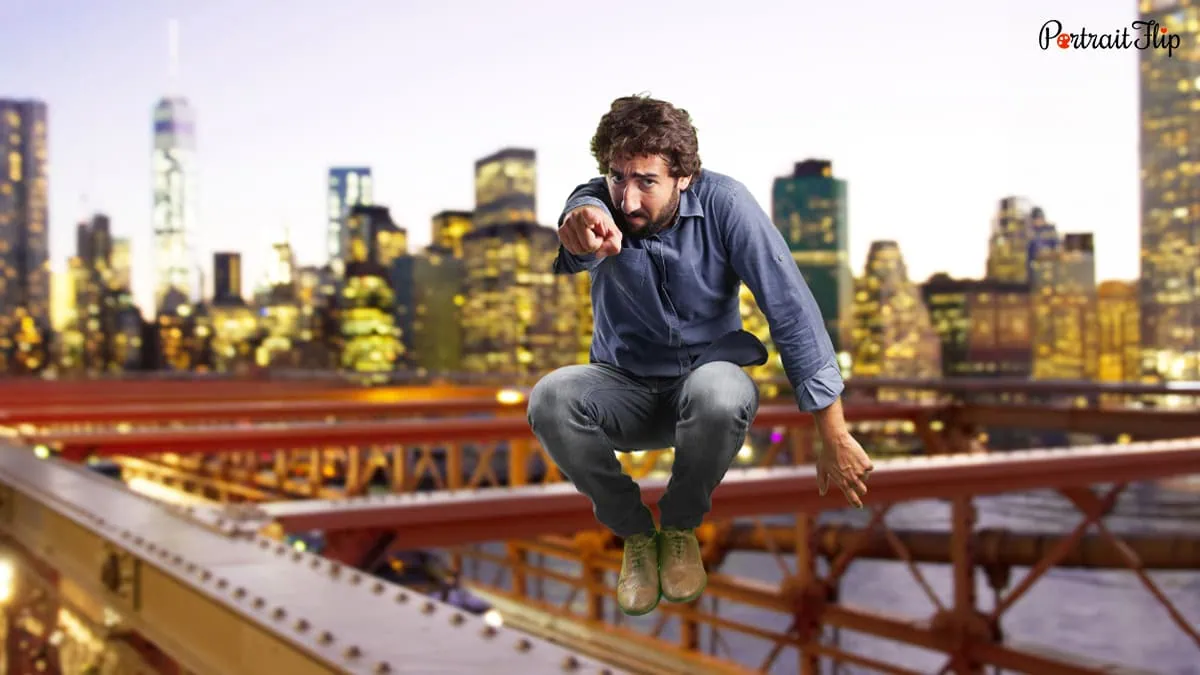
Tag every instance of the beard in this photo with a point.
(666, 218)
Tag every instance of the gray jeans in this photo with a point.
(582, 413)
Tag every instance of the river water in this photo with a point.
(1106, 615)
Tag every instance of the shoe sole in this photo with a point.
(689, 598)
(644, 612)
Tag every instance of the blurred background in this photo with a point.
(365, 193)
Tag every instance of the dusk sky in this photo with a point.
(931, 114)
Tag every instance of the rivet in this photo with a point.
(259, 603)
(152, 547)
(239, 593)
(221, 584)
(302, 625)
(524, 645)
(570, 663)
(356, 579)
(382, 668)
(281, 550)
(402, 597)
(335, 570)
(488, 632)
(138, 540)
(378, 588)
(457, 619)
(263, 543)
(428, 608)
(125, 534)
(279, 613)
(191, 568)
(325, 637)
(352, 652)
(316, 562)
(297, 556)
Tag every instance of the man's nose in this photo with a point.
(629, 201)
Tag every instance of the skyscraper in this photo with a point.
(174, 202)
(1169, 101)
(227, 278)
(24, 218)
(506, 188)
(346, 187)
(893, 336)
(809, 209)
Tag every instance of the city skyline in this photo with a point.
(1001, 98)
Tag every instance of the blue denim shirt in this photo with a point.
(668, 303)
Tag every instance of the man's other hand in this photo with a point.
(846, 464)
(589, 229)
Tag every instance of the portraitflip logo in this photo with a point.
(1139, 35)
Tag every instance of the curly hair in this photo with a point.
(640, 125)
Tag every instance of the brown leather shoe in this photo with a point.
(681, 568)
(638, 591)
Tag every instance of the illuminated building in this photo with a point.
(506, 188)
(96, 306)
(371, 342)
(227, 278)
(583, 312)
(984, 326)
(1169, 101)
(174, 202)
(519, 317)
(232, 321)
(893, 336)
(175, 330)
(429, 290)
(346, 188)
(755, 322)
(65, 284)
(1009, 243)
(62, 298)
(1066, 339)
(449, 227)
(24, 247)
(121, 263)
(809, 209)
(1119, 332)
(279, 312)
(316, 295)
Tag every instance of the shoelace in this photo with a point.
(638, 553)
(678, 543)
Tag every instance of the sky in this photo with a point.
(931, 113)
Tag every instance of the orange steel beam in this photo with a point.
(257, 411)
(494, 514)
(229, 439)
(39, 394)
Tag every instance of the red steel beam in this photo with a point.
(308, 435)
(494, 514)
(76, 445)
(1021, 386)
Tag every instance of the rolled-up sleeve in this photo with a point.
(591, 193)
(760, 256)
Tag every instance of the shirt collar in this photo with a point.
(689, 203)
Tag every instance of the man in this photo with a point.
(667, 246)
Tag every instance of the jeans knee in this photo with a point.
(554, 397)
(721, 391)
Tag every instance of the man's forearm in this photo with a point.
(831, 421)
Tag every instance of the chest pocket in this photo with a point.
(628, 272)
